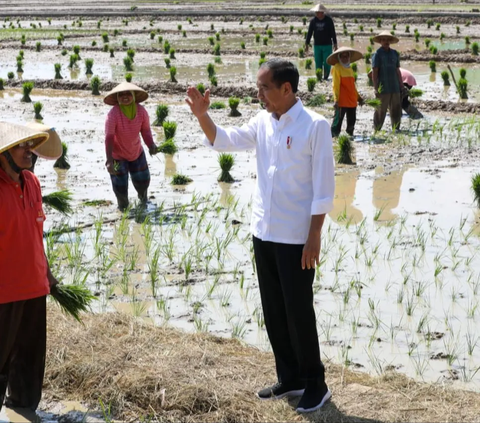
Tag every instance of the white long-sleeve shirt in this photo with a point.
(292, 183)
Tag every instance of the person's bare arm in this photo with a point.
(375, 80)
(311, 249)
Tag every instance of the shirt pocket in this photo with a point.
(37, 213)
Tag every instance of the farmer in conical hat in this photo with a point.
(51, 150)
(26, 278)
(125, 122)
(323, 30)
(387, 81)
(345, 94)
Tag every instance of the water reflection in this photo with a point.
(343, 209)
(386, 192)
(170, 166)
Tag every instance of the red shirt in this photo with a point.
(23, 266)
(124, 133)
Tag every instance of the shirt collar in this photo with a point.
(4, 176)
(292, 113)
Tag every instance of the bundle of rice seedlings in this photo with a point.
(27, 89)
(62, 162)
(226, 162)
(446, 78)
(169, 129)
(1, 84)
(374, 102)
(317, 100)
(19, 66)
(37, 108)
(76, 50)
(462, 87)
(216, 50)
(216, 105)
(95, 85)
(311, 82)
(476, 188)
(38, 46)
(173, 73)
(72, 299)
(345, 150)
(60, 201)
(58, 68)
(233, 102)
(308, 64)
(89, 65)
(201, 88)
(179, 179)
(112, 52)
(128, 63)
(10, 75)
(415, 92)
(319, 74)
(161, 113)
(128, 77)
(168, 147)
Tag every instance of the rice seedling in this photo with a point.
(375, 103)
(446, 78)
(319, 74)
(38, 46)
(463, 72)
(216, 50)
(94, 43)
(128, 63)
(233, 103)
(416, 36)
(217, 105)
(76, 50)
(128, 77)
(345, 150)
(311, 82)
(226, 162)
(167, 62)
(462, 87)
(37, 108)
(19, 66)
(62, 161)
(1, 84)
(64, 52)
(415, 92)
(89, 65)
(173, 73)
(317, 100)
(95, 85)
(301, 52)
(442, 36)
(169, 129)
(27, 88)
(179, 179)
(304, 20)
(161, 114)
(72, 299)
(172, 53)
(467, 40)
(432, 65)
(60, 201)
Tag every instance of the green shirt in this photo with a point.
(387, 63)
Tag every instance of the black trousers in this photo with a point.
(287, 300)
(23, 340)
(340, 113)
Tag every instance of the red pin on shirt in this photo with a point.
(289, 142)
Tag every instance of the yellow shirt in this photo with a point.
(344, 90)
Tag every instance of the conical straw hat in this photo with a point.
(354, 55)
(52, 149)
(319, 8)
(111, 97)
(12, 134)
(393, 39)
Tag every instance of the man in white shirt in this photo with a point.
(295, 189)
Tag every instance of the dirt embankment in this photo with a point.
(158, 372)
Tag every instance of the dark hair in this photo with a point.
(282, 71)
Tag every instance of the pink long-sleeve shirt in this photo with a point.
(124, 134)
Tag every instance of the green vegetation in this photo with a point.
(95, 85)
(345, 150)
(128, 77)
(476, 188)
(128, 63)
(89, 65)
(27, 88)
(62, 162)
(72, 299)
(161, 114)
(1, 84)
(168, 147)
(433, 65)
(201, 88)
(311, 82)
(233, 103)
(319, 74)
(446, 78)
(60, 201)
(308, 64)
(216, 105)
(37, 108)
(179, 179)
(462, 87)
(173, 73)
(169, 129)
(475, 49)
(226, 162)
(317, 100)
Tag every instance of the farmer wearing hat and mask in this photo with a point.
(323, 30)
(345, 95)
(26, 278)
(125, 122)
(387, 81)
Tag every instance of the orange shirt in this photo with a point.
(23, 266)
(343, 84)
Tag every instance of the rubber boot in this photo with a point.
(122, 201)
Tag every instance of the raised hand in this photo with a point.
(198, 103)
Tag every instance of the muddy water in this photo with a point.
(393, 227)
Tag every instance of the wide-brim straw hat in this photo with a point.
(319, 8)
(354, 55)
(12, 134)
(393, 39)
(111, 97)
(52, 149)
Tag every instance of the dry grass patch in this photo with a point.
(168, 375)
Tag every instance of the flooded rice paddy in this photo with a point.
(398, 284)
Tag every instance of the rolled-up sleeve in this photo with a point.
(323, 168)
(235, 138)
